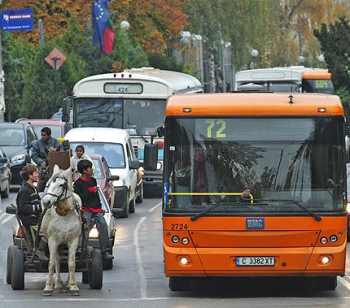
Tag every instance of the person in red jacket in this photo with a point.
(86, 187)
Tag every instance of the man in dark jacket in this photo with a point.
(42, 147)
(29, 206)
(40, 152)
(86, 188)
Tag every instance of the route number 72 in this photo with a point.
(216, 129)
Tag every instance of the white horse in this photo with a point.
(61, 225)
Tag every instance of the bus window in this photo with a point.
(145, 115)
(279, 159)
(99, 112)
(318, 86)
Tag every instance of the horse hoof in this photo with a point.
(47, 292)
(74, 292)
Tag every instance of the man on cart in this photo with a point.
(40, 152)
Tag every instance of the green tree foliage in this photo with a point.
(338, 59)
(280, 30)
(34, 89)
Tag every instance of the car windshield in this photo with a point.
(279, 161)
(97, 168)
(12, 136)
(112, 152)
(56, 131)
(120, 113)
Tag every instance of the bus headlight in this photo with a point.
(93, 233)
(175, 239)
(325, 260)
(184, 261)
(324, 240)
(333, 238)
(185, 241)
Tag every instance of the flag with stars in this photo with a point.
(104, 35)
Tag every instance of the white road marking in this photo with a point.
(85, 299)
(7, 219)
(140, 270)
(155, 207)
(344, 282)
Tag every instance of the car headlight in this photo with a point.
(93, 233)
(18, 159)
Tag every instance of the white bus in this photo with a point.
(135, 100)
(285, 79)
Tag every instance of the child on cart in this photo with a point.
(86, 187)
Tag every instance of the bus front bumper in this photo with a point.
(303, 261)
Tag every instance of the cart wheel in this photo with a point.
(10, 252)
(139, 198)
(17, 269)
(132, 206)
(96, 270)
(85, 277)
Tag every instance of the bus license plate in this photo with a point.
(255, 261)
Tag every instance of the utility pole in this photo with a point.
(41, 32)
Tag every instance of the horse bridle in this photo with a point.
(63, 196)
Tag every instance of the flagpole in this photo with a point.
(2, 81)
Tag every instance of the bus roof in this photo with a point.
(291, 73)
(175, 82)
(254, 105)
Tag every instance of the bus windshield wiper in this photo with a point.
(298, 204)
(200, 214)
(214, 206)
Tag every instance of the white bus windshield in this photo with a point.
(140, 116)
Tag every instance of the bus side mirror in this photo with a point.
(66, 108)
(150, 157)
(161, 131)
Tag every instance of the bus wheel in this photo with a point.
(179, 283)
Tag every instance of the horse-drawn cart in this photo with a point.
(22, 257)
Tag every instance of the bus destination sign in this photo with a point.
(123, 88)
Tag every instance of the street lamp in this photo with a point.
(186, 37)
(254, 53)
(124, 25)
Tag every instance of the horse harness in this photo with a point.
(59, 204)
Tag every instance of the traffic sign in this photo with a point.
(17, 20)
(55, 59)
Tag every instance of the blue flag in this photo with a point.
(103, 33)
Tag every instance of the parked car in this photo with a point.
(114, 144)
(58, 128)
(16, 140)
(104, 177)
(5, 175)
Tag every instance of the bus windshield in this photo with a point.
(120, 113)
(280, 160)
(318, 86)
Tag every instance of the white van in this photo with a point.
(115, 146)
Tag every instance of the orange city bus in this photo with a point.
(254, 185)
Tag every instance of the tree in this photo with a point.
(338, 59)
(18, 57)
